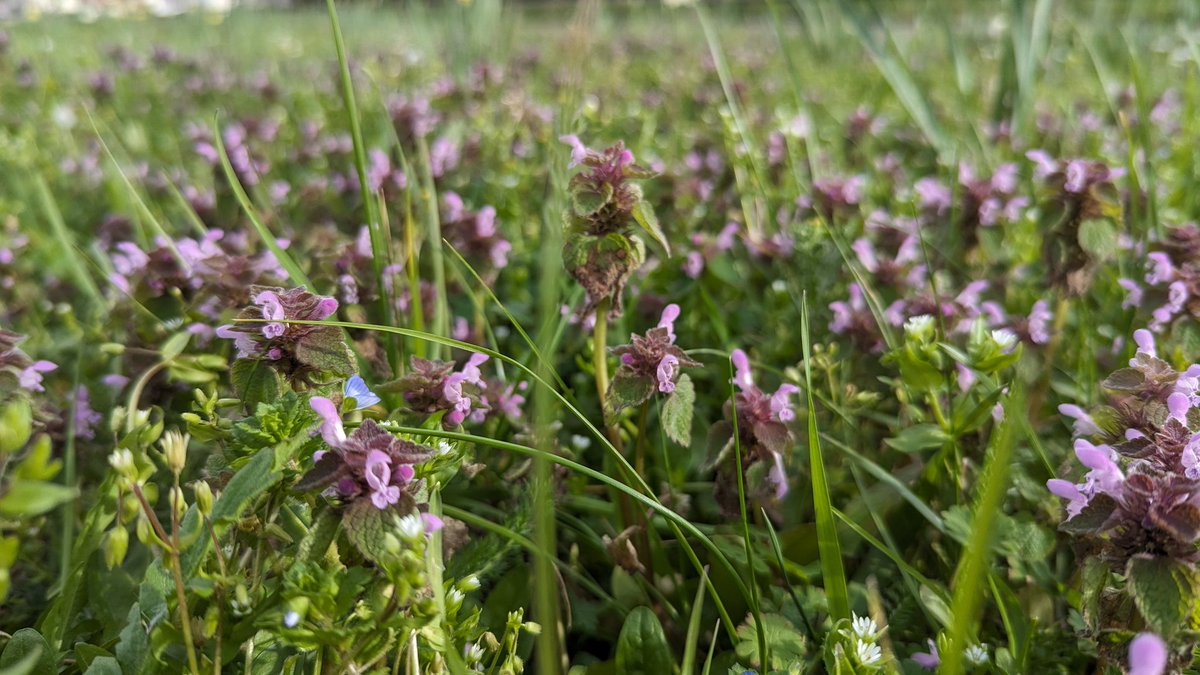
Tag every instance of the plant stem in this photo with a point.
(185, 618)
(600, 351)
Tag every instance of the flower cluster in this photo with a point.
(1173, 276)
(599, 252)
(295, 350)
(369, 464)
(864, 635)
(474, 234)
(434, 386)
(763, 435)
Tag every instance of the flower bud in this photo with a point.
(116, 544)
(112, 348)
(174, 448)
(144, 533)
(469, 583)
(177, 502)
(204, 497)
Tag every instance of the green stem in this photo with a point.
(185, 618)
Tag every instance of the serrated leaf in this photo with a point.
(588, 201)
(324, 350)
(368, 527)
(642, 646)
(1093, 516)
(1125, 379)
(1098, 238)
(785, 642)
(626, 390)
(33, 497)
(255, 382)
(1164, 591)
(643, 213)
(677, 411)
(917, 438)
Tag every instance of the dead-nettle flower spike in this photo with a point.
(650, 363)
(295, 350)
(27, 372)
(433, 386)
(369, 464)
(600, 251)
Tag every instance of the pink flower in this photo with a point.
(928, 660)
(1147, 655)
(741, 365)
(578, 149)
(1070, 492)
(379, 475)
(331, 426)
(1145, 343)
(667, 370)
(670, 313)
(31, 377)
(1084, 424)
(1133, 293)
(1161, 269)
(781, 408)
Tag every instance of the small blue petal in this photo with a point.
(357, 389)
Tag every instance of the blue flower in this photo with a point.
(357, 390)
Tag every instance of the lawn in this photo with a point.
(793, 336)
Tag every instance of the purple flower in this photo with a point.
(31, 377)
(1144, 340)
(1162, 271)
(669, 315)
(1039, 323)
(1133, 293)
(379, 477)
(668, 368)
(452, 390)
(1084, 424)
(693, 265)
(578, 149)
(741, 364)
(1070, 492)
(1147, 655)
(272, 310)
(781, 408)
(86, 419)
(928, 660)
(331, 426)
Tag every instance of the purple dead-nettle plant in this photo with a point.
(302, 354)
(764, 438)
(369, 464)
(433, 387)
(18, 366)
(1171, 281)
(651, 364)
(1078, 212)
(1136, 510)
(475, 234)
(600, 252)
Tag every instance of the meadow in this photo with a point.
(585, 338)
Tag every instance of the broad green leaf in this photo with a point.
(134, 645)
(919, 437)
(104, 665)
(677, 411)
(174, 346)
(626, 390)
(255, 382)
(642, 646)
(27, 652)
(33, 497)
(787, 645)
(325, 350)
(1164, 591)
(1099, 238)
(587, 201)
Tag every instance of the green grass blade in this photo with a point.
(296, 274)
(761, 633)
(833, 574)
(75, 266)
(692, 640)
(972, 572)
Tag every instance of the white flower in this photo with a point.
(454, 598)
(867, 653)
(976, 655)
(443, 446)
(472, 654)
(1005, 338)
(411, 526)
(919, 327)
(121, 460)
(864, 628)
(291, 619)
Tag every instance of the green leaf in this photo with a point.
(642, 646)
(626, 390)
(786, 643)
(1125, 379)
(325, 350)
(174, 346)
(85, 654)
(587, 201)
(16, 425)
(255, 382)
(1098, 238)
(37, 464)
(134, 644)
(917, 438)
(643, 213)
(368, 528)
(27, 652)
(677, 411)
(33, 497)
(1164, 591)
(104, 665)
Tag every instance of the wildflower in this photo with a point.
(411, 526)
(864, 628)
(928, 660)
(297, 351)
(86, 419)
(370, 464)
(867, 653)
(331, 425)
(649, 363)
(378, 472)
(356, 389)
(976, 654)
(30, 377)
(1147, 655)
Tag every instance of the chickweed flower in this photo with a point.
(867, 653)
